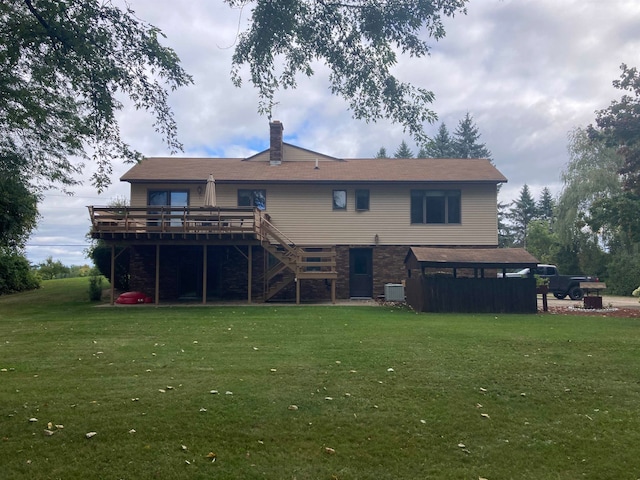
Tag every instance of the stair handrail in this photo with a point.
(270, 229)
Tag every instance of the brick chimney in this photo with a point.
(275, 142)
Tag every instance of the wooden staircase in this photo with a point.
(295, 263)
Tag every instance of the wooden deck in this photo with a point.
(173, 222)
(217, 225)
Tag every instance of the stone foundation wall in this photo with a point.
(342, 267)
(388, 266)
(142, 269)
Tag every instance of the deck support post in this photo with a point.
(157, 274)
(297, 291)
(204, 274)
(250, 273)
(333, 290)
(113, 272)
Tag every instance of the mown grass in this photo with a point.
(394, 394)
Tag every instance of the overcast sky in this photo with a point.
(528, 71)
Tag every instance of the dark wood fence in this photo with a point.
(472, 295)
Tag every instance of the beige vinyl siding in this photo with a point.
(315, 222)
(139, 192)
(305, 213)
(226, 195)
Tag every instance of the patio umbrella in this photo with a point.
(210, 192)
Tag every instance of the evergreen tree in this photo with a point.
(382, 153)
(505, 233)
(442, 145)
(466, 140)
(523, 211)
(422, 153)
(546, 205)
(403, 151)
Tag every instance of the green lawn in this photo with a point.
(381, 393)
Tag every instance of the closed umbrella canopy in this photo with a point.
(210, 192)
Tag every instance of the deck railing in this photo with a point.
(174, 220)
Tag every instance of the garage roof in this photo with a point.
(473, 257)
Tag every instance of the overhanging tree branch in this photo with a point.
(63, 63)
(357, 40)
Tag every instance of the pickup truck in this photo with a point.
(559, 285)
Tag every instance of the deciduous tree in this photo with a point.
(618, 127)
(50, 269)
(63, 67)
(18, 206)
(359, 41)
(590, 174)
(542, 243)
(15, 272)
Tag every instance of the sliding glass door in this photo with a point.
(168, 198)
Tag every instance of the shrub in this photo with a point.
(95, 288)
(624, 273)
(15, 273)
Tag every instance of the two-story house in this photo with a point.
(291, 223)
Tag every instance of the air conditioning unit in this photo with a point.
(394, 292)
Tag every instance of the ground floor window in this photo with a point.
(435, 206)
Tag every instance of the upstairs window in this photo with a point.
(252, 198)
(362, 200)
(435, 206)
(339, 199)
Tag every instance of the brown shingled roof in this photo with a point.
(349, 170)
(474, 257)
